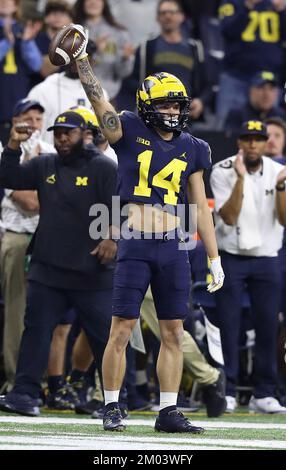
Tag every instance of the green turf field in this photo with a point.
(69, 431)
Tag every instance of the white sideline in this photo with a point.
(134, 442)
(138, 422)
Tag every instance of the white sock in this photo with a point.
(167, 399)
(111, 396)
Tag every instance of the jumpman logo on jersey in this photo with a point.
(183, 155)
(51, 179)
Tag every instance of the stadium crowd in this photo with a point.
(231, 57)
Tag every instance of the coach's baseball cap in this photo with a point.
(69, 119)
(253, 128)
(263, 77)
(22, 106)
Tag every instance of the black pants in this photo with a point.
(262, 276)
(44, 310)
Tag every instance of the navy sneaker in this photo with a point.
(19, 404)
(214, 396)
(175, 421)
(112, 419)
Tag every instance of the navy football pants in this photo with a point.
(157, 262)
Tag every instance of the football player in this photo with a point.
(157, 164)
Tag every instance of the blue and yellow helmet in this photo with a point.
(87, 114)
(91, 122)
(161, 87)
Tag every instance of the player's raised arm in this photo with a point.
(107, 116)
(70, 44)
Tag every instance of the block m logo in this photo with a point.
(81, 181)
(254, 126)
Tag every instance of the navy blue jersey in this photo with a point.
(15, 77)
(253, 38)
(152, 170)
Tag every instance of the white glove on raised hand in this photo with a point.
(84, 32)
(217, 275)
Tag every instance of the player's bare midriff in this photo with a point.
(147, 218)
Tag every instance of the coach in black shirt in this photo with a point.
(68, 268)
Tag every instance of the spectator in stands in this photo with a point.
(130, 13)
(68, 268)
(198, 9)
(58, 13)
(20, 218)
(112, 57)
(276, 143)
(19, 58)
(254, 31)
(57, 93)
(250, 209)
(262, 102)
(171, 52)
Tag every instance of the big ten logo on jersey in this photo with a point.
(140, 140)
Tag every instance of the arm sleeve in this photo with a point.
(220, 187)
(16, 176)
(234, 18)
(31, 55)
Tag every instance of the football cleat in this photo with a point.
(175, 421)
(62, 399)
(112, 419)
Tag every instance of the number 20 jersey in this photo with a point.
(152, 170)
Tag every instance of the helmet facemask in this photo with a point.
(165, 121)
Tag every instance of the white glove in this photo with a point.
(217, 275)
(82, 52)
